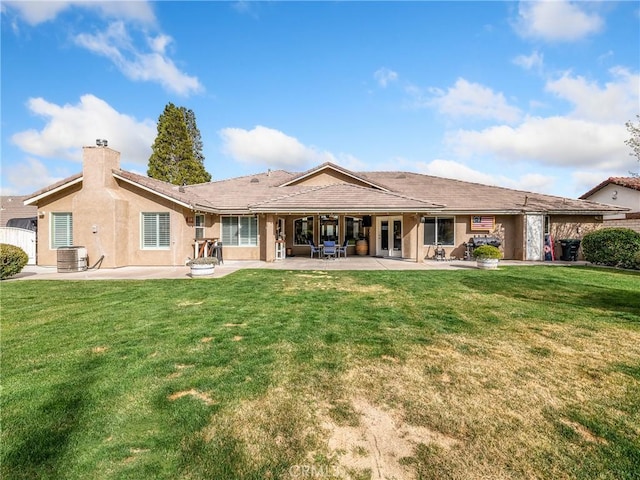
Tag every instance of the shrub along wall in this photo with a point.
(616, 247)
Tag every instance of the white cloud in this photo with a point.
(466, 99)
(591, 136)
(267, 147)
(116, 44)
(70, 127)
(617, 101)
(28, 176)
(38, 12)
(557, 141)
(530, 62)
(557, 20)
(384, 76)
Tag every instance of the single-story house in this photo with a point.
(128, 219)
(621, 192)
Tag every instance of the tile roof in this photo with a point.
(337, 168)
(173, 192)
(54, 186)
(628, 182)
(389, 192)
(342, 198)
(12, 206)
(461, 196)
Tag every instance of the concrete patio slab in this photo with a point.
(31, 272)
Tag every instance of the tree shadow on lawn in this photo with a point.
(47, 432)
(552, 289)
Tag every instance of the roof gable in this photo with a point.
(329, 173)
(53, 188)
(629, 182)
(343, 198)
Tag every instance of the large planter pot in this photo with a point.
(202, 270)
(362, 247)
(487, 263)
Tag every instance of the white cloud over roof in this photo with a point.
(270, 148)
(468, 99)
(69, 127)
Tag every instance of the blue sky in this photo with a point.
(527, 95)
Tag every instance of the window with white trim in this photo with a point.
(156, 230)
(439, 231)
(240, 231)
(61, 230)
(199, 226)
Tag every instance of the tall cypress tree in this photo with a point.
(177, 150)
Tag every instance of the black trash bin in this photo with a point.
(570, 248)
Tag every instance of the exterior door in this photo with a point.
(389, 242)
(535, 237)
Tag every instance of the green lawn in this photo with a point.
(524, 372)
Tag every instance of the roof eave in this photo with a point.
(155, 192)
(35, 199)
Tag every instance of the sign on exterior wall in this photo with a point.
(482, 223)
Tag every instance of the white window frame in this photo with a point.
(61, 221)
(199, 224)
(160, 242)
(244, 231)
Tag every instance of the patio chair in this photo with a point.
(314, 249)
(342, 249)
(329, 250)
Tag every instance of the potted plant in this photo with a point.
(487, 257)
(202, 266)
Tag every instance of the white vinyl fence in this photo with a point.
(25, 239)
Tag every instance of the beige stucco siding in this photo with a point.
(108, 222)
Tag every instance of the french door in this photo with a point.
(389, 241)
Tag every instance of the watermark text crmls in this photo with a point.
(316, 471)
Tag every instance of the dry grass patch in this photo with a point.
(190, 303)
(206, 399)
(376, 446)
(323, 281)
(268, 433)
(500, 402)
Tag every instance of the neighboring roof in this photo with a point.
(628, 182)
(12, 206)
